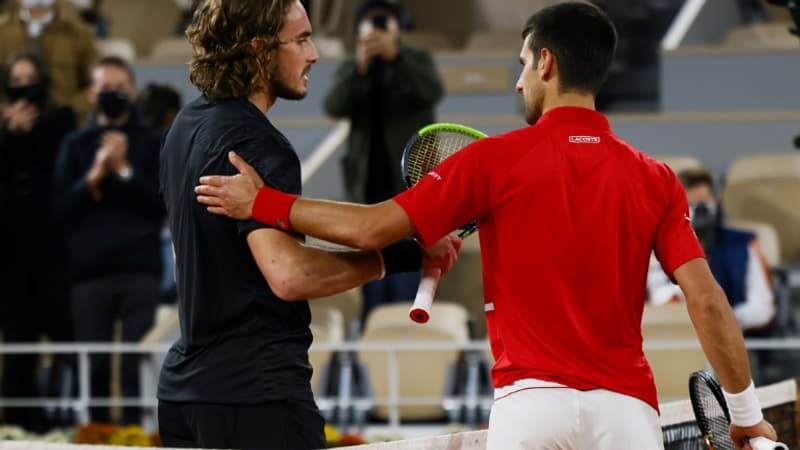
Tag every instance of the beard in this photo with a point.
(284, 90)
(532, 113)
(533, 108)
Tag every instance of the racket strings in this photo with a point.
(716, 422)
(429, 150)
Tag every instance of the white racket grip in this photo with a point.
(420, 310)
(762, 443)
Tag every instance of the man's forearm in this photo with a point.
(368, 227)
(722, 342)
(319, 273)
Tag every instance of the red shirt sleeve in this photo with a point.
(452, 195)
(676, 242)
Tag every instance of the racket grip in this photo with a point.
(420, 310)
(762, 443)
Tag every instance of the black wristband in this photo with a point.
(402, 256)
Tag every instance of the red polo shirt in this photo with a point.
(568, 214)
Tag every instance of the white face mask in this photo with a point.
(35, 27)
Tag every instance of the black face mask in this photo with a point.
(704, 221)
(113, 103)
(32, 93)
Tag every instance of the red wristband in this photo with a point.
(271, 207)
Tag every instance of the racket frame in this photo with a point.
(714, 387)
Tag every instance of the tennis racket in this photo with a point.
(711, 412)
(423, 152)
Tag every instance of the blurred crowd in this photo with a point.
(83, 219)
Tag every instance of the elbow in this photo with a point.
(290, 282)
(709, 304)
(286, 288)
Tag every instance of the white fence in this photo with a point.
(84, 398)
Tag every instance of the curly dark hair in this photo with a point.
(225, 63)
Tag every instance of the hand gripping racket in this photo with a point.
(711, 412)
(424, 151)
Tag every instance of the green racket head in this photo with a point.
(432, 145)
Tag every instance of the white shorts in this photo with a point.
(535, 414)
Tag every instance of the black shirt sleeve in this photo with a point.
(275, 160)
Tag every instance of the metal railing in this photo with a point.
(83, 400)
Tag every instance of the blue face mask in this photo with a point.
(113, 104)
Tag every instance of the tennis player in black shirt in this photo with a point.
(239, 376)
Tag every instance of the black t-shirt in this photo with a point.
(239, 343)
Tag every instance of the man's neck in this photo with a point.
(263, 100)
(569, 99)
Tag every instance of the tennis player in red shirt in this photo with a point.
(568, 215)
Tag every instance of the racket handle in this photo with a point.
(420, 310)
(762, 443)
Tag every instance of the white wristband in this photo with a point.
(383, 264)
(744, 407)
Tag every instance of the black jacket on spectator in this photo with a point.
(26, 172)
(120, 233)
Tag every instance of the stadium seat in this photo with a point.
(327, 327)
(419, 373)
(432, 41)
(679, 163)
(671, 367)
(767, 239)
(765, 188)
(120, 47)
(349, 304)
(772, 35)
(494, 41)
(476, 78)
(143, 22)
(171, 50)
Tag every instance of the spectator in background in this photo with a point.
(65, 46)
(90, 14)
(734, 256)
(31, 132)
(159, 104)
(107, 196)
(388, 91)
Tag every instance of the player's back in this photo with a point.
(576, 213)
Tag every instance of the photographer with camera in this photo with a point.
(388, 92)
